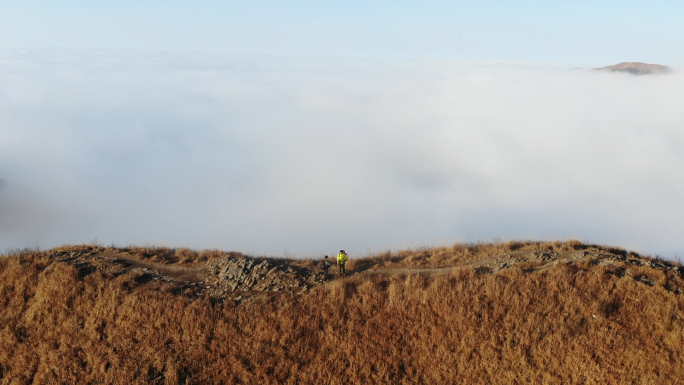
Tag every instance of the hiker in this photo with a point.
(341, 260)
(326, 267)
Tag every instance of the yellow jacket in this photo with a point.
(341, 258)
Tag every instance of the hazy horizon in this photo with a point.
(301, 156)
(532, 31)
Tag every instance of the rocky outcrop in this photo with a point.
(239, 278)
(252, 275)
(617, 262)
(228, 277)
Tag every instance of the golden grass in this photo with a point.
(570, 324)
(459, 253)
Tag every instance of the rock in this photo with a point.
(644, 279)
(672, 287)
(620, 272)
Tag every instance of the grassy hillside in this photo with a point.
(521, 312)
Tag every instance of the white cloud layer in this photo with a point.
(285, 156)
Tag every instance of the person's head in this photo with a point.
(341, 251)
(326, 257)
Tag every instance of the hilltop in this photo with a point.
(517, 312)
(637, 68)
(237, 277)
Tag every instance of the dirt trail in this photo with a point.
(176, 272)
(409, 271)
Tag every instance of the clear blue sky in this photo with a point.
(582, 32)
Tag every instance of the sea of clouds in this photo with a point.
(291, 156)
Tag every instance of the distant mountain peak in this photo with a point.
(637, 68)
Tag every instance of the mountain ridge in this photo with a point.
(514, 312)
(637, 68)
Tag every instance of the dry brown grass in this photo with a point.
(460, 253)
(571, 324)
